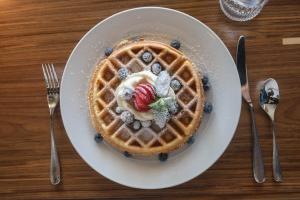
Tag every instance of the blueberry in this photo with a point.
(127, 93)
(108, 51)
(127, 154)
(123, 73)
(175, 44)
(163, 157)
(146, 124)
(127, 117)
(119, 110)
(175, 85)
(205, 80)
(147, 57)
(136, 125)
(191, 140)
(173, 109)
(98, 138)
(208, 107)
(156, 68)
(206, 87)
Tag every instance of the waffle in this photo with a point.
(152, 140)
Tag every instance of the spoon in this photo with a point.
(269, 98)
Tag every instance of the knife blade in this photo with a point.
(257, 158)
(242, 70)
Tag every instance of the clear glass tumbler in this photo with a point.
(242, 10)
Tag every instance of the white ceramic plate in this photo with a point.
(206, 50)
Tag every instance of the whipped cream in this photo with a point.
(131, 82)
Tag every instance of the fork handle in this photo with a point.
(54, 163)
(258, 163)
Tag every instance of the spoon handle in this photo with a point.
(276, 162)
(258, 163)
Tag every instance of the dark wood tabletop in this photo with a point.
(33, 32)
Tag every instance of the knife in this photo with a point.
(257, 160)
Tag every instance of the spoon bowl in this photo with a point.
(269, 98)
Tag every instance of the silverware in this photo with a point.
(269, 98)
(52, 85)
(258, 163)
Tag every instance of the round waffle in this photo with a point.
(152, 140)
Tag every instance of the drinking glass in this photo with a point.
(242, 10)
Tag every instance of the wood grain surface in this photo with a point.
(38, 31)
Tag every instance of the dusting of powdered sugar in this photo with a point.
(198, 55)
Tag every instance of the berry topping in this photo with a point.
(127, 154)
(136, 125)
(206, 87)
(208, 107)
(127, 93)
(175, 85)
(127, 117)
(147, 57)
(163, 157)
(119, 110)
(156, 68)
(173, 109)
(175, 44)
(143, 96)
(191, 140)
(205, 80)
(108, 51)
(146, 124)
(123, 73)
(98, 138)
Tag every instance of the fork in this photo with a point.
(52, 85)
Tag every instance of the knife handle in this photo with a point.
(258, 163)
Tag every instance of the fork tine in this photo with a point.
(45, 76)
(52, 76)
(50, 79)
(55, 76)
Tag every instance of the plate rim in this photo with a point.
(67, 65)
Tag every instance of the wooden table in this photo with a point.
(34, 32)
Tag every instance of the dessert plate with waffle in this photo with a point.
(150, 97)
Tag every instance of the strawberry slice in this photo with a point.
(139, 104)
(144, 95)
(149, 89)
